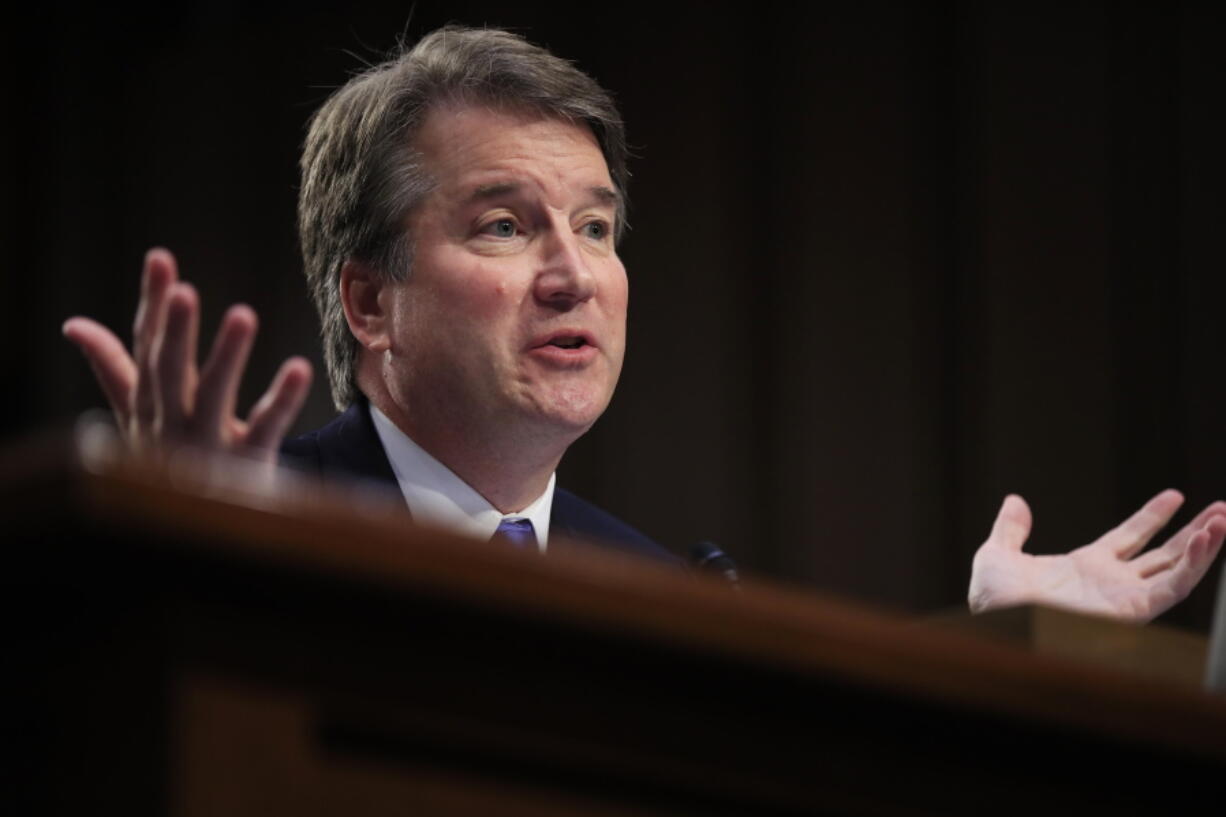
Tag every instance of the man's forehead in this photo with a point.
(488, 150)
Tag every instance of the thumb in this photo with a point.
(1012, 525)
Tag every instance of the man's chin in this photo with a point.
(568, 415)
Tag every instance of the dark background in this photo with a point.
(888, 261)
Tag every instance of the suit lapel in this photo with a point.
(351, 442)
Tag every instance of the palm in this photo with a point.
(1105, 577)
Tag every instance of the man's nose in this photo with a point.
(565, 278)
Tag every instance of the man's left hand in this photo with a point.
(1105, 577)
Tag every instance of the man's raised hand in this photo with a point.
(159, 396)
(1106, 577)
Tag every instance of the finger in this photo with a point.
(1162, 558)
(174, 358)
(159, 275)
(112, 365)
(275, 412)
(1012, 525)
(1171, 587)
(1173, 547)
(222, 373)
(1134, 533)
(1202, 519)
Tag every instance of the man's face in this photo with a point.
(513, 318)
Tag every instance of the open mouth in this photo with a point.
(570, 339)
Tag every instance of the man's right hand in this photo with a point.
(157, 393)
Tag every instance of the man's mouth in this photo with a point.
(565, 339)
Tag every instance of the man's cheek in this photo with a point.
(482, 297)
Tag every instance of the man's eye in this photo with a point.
(502, 228)
(596, 230)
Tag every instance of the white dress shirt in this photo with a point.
(439, 498)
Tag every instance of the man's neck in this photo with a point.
(510, 470)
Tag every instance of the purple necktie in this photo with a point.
(518, 533)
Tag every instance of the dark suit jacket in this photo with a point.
(349, 447)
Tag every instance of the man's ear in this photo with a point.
(368, 320)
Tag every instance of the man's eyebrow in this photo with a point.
(600, 194)
(608, 196)
(493, 191)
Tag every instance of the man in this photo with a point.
(458, 214)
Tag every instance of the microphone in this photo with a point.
(708, 556)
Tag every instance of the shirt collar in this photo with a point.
(439, 498)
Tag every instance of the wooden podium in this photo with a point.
(182, 645)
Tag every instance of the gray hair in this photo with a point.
(362, 176)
